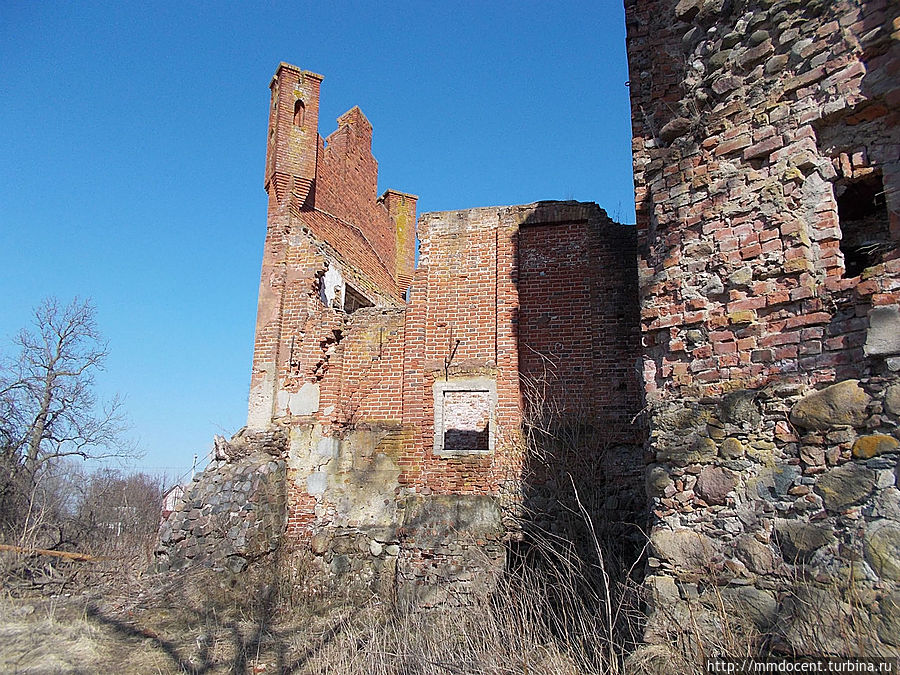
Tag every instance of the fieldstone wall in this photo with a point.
(423, 550)
(794, 527)
(767, 176)
(232, 513)
(442, 550)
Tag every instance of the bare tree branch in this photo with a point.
(48, 408)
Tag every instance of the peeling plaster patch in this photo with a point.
(259, 409)
(303, 402)
(316, 483)
(327, 447)
(332, 288)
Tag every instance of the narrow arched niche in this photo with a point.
(299, 111)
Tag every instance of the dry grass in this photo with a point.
(276, 618)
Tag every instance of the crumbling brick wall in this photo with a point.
(425, 404)
(767, 178)
(328, 238)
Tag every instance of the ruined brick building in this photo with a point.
(753, 315)
(401, 388)
(398, 389)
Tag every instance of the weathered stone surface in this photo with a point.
(714, 484)
(776, 64)
(687, 9)
(773, 483)
(845, 485)
(876, 444)
(663, 590)
(741, 277)
(732, 448)
(684, 548)
(760, 607)
(674, 129)
(758, 37)
(798, 540)
(658, 480)
(319, 543)
(882, 549)
(816, 621)
(887, 504)
(719, 59)
(757, 556)
(892, 399)
(889, 618)
(883, 336)
(676, 418)
(740, 408)
(843, 403)
(698, 450)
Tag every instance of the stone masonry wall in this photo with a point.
(233, 512)
(767, 179)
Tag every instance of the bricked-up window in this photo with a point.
(467, 419)
(299, 111)
(864, 221)
(463, 416)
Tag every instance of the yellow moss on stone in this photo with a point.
(876, 444)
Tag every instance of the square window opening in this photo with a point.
(464, 411)
(466, 418)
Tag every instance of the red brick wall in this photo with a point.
(496, 286)
(323, 212)
(365, 376)
(578, 319)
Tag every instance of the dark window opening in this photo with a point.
(299, 110)
(467, 440)
(354, 300)
(864, 221)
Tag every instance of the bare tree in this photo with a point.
(48, 408)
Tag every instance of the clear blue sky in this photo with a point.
(132, 138)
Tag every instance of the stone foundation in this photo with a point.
(232, 513)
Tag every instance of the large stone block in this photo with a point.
(845, 485)
(882, 549)
(875, 444)
(798, 540)
(429, 521)
(843, 403)
(684, 548)
(714, 483)
(883, 336)
(760, 607)
(892, 399)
